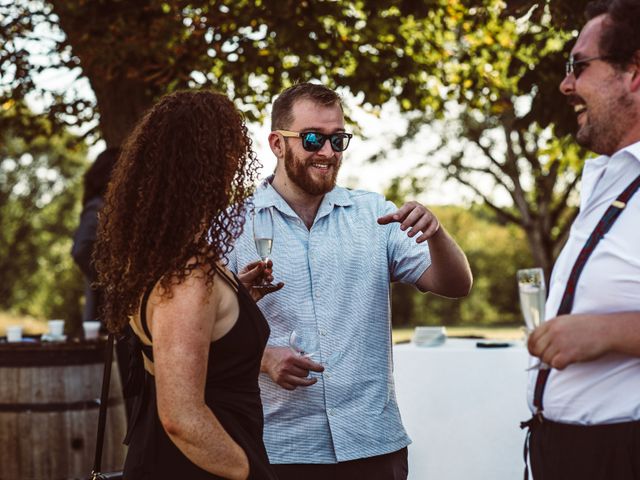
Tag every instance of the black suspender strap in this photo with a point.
(603, 226)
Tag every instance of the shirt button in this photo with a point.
(331, 412)
(323, 332)
(327, 375)
(317, 294)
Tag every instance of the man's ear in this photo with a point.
(635, 72)
(276, 143)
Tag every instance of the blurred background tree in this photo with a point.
(503, 134)
(480, 75)
(494, 250)
(40, 189)
(132, 52)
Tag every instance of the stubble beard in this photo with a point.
(297, 171)
(606, 124)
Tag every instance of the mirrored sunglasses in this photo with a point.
(314, 141)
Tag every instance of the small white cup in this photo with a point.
(14, 333)
(429, 336)
(56, 328)
(91, 330)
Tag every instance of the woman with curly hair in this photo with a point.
(174, 206)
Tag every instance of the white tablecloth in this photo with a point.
(462, 406)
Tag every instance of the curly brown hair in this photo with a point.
(176, 200)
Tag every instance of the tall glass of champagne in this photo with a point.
(533, 295)
(263, 237)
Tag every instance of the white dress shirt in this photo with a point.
(606, 390)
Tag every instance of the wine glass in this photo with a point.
(533, 294)
(304, 342)
(263, 237)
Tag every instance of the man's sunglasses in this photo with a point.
(578, 66)
(314, 141)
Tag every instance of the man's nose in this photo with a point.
(567, 85)
(326, 150)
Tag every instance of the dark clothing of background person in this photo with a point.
(83, 240)
(96, 180)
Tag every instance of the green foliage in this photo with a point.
(420, 52)
(40, 188)
(494, 252)
(515, 159)
(133, 51)
(560, 16)
(475, 62)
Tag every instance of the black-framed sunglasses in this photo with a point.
(578, 66)
(314, 141)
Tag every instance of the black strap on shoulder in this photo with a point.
(221, 272)
(603, 226)
(134, 386)
(148, 350)
(143, 311)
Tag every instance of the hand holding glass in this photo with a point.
(533, 294)
(263, 237)
(304, 343)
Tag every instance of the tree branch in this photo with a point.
(487, 171)
(501, 212)
(563, 231)
(561, 205)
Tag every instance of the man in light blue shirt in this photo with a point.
(333, 415)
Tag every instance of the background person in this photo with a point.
(591, 403)
(96, 180)
(173, 209)
(336, 250)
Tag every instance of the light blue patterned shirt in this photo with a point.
(336, 278)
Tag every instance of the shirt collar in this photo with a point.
(594, 168)
(602, 160)
(633, 150)
(266, 196)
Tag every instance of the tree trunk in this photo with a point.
(102, 37)
(542, 250)
(121, 102)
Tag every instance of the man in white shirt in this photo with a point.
(587, 418)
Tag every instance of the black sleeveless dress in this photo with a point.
(231, 392)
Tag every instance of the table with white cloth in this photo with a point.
(462, 406)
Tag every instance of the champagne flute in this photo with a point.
(533, 294)
(263, 238)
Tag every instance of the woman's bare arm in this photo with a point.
(182, 329)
